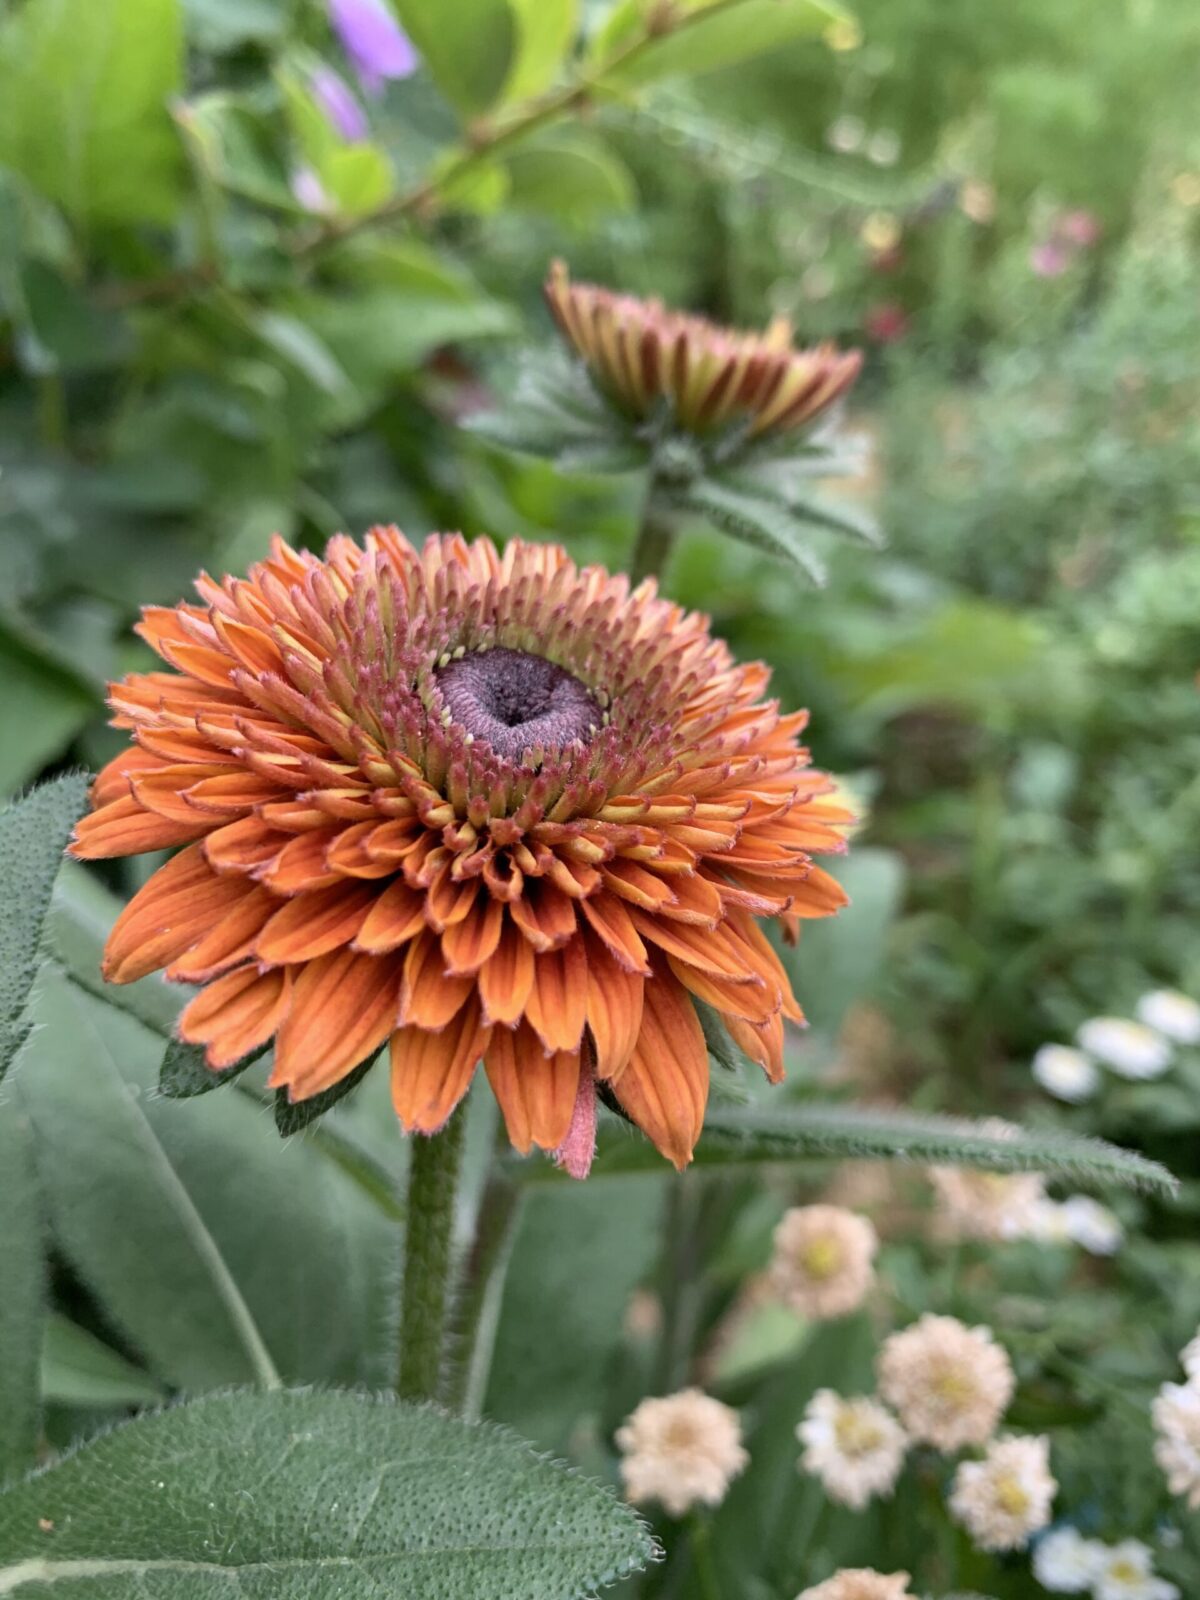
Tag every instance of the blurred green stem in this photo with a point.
(680, 1291)
(478, 1312)
(428, 1248)
(655, 536)
(702, 1558)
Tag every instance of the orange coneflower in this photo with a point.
(642, 354)
(478, 804)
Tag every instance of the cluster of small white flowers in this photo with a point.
(1004, 1499)
(1079, 1220)
(1138, 1047)
(1176, 1417)
(683, 1450)
(855, 1447)
(822, 1261)
(1066, 1563)
(989, 1205)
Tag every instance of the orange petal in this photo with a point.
(177, 906)
(696, 900)
(544, 915)
(756, 1002)
(610, 919)
(343, 1008)
(635, 884)
(557, 1005)
(748, 945)
(301, 863)
(230, 941)
(429, 998)
(762, 1042)
(664, 1088)
(432, 1071)
(467, 944)
(700, 947)
(236, 1013)
(124, 828)
(397, 915)
(112, 781)
(535, 1091)
(506, 978)
(614, 1009)
(314, 923)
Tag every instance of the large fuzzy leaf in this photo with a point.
(22, 1295)
(33, 835)
(766, 1134)
(221, 1255)
(293, 1496)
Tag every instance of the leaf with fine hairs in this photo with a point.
(766, 1134)
(33, 835)
(757, 520)
(22, 1294)
(296, 1495)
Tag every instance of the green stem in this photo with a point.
(679, 1288)
(655, 537)
(428, 1250)
(478, 1312)
(702, 1558)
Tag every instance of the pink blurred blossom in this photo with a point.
(1080, 228)
(337, 101)
(886, 322)
(1049, 259)
(375, 42)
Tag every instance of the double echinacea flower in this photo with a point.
(473, 804)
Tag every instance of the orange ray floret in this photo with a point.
(474, 804)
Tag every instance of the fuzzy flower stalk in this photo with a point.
(472, 805)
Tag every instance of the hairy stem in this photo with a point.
(702, 1558)
(428, 1250)
(655, 537)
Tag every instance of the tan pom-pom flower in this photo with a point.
(1005, 1498)
(1176, 1416)
(682, 1450)
(997, 1206)
(822, 1262)
(860, 1583)
(855, 1447)
(642, 354)
(949, 1384)
(473, 804)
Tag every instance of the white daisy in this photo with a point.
(1175, 1015)
(1065, 1073)
(1128, 1048)
(1127, 1573)
(1065, 1562)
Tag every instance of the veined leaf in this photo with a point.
(545, 31)
(80, 1370)
(754, 519)
(33, 835)
(221, 1255)
(765, 1134)
(293, 1495)
(468, 47)
(736, 30)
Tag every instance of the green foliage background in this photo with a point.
(190, 361)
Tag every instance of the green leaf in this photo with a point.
(766, 1134)
(22, 1295)
(553, 410)
(756, 520)
(468, 47)
(294, 1116)
(214, 1250)
(77, 1369)
(290, 1496)
(543, 1386)
(45, 703)
(734, 32)
(569, 173)
(84, 113)
(546, 30)
(185, 1073)
(218, 26)
(33, 835)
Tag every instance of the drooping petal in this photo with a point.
(313, 923)
(432, 1071)
(664, 1086)
(536, 1091)
(177, 906)
(557, 1004)
(614, 1010)
(343, 1008)
(506, 977)
(235, 1014)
